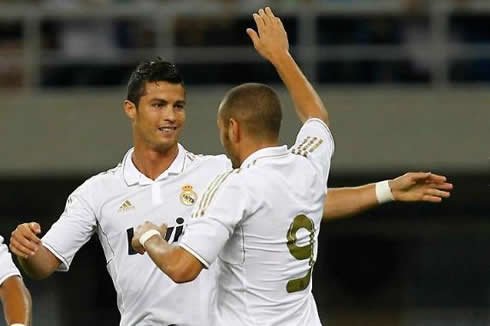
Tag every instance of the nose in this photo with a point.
(169, 114)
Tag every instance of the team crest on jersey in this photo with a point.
(188, 196)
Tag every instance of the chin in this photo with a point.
(164, 147)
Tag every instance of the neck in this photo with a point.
(153, 163)
(252, 146)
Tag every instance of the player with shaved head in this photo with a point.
(258, 225)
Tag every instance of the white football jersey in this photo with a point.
(7, 267)
(112, 204)
(261, 223)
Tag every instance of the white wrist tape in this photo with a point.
(17, 324)
(147, 235)
(383, 192)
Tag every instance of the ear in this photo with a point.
(130, 109)
(234, 130)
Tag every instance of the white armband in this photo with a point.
(147, 235)
(383, 192)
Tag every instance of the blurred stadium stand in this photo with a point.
(406, 82)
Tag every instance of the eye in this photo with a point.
(179, 106)
(157, 105)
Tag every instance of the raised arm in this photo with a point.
(36, 261)
(410, 187)
(16, 301)
(271, 41)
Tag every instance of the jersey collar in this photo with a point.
(133, 176)
(265, 153)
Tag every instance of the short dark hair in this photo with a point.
(154, 70)
(257, 106)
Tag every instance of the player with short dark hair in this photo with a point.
(158, 178)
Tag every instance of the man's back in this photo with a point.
(264, 269)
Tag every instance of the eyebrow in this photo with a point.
(157, 99)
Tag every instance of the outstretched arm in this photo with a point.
(410, 187)
(16, 301)
(271, 41)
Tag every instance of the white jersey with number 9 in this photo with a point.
(261, 223)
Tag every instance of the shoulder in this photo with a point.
(236, 180)
(220, 163)
(102, 178)
(97, 187)
(227, 188)
(232, 178)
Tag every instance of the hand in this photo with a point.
(140, 230)
(24, 241)
(272, 40)
(420, 186)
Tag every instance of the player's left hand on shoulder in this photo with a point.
(421, 186)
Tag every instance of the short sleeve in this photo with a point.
(73, 229)
(7, 266)
(315, 142)
(215, 217)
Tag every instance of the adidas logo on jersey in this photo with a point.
(126, 206)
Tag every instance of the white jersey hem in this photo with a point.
(3, 279)
(64, 266)
(195, 254)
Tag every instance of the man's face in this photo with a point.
(160, 115)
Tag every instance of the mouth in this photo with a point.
(167, 130)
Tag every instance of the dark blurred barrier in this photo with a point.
(418, 264)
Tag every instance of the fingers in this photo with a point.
(441, 186)
(266, 18)
(23, 241)
(163, 230)
(418, 176)
(253, 36)
(279, 22)
(269, 12)
(438, 193)
(35, 227)
(28, 231)
(429, 177)
(20, 249)
(259, 21)
(436, 178)
(431, 199)
(135, 243)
